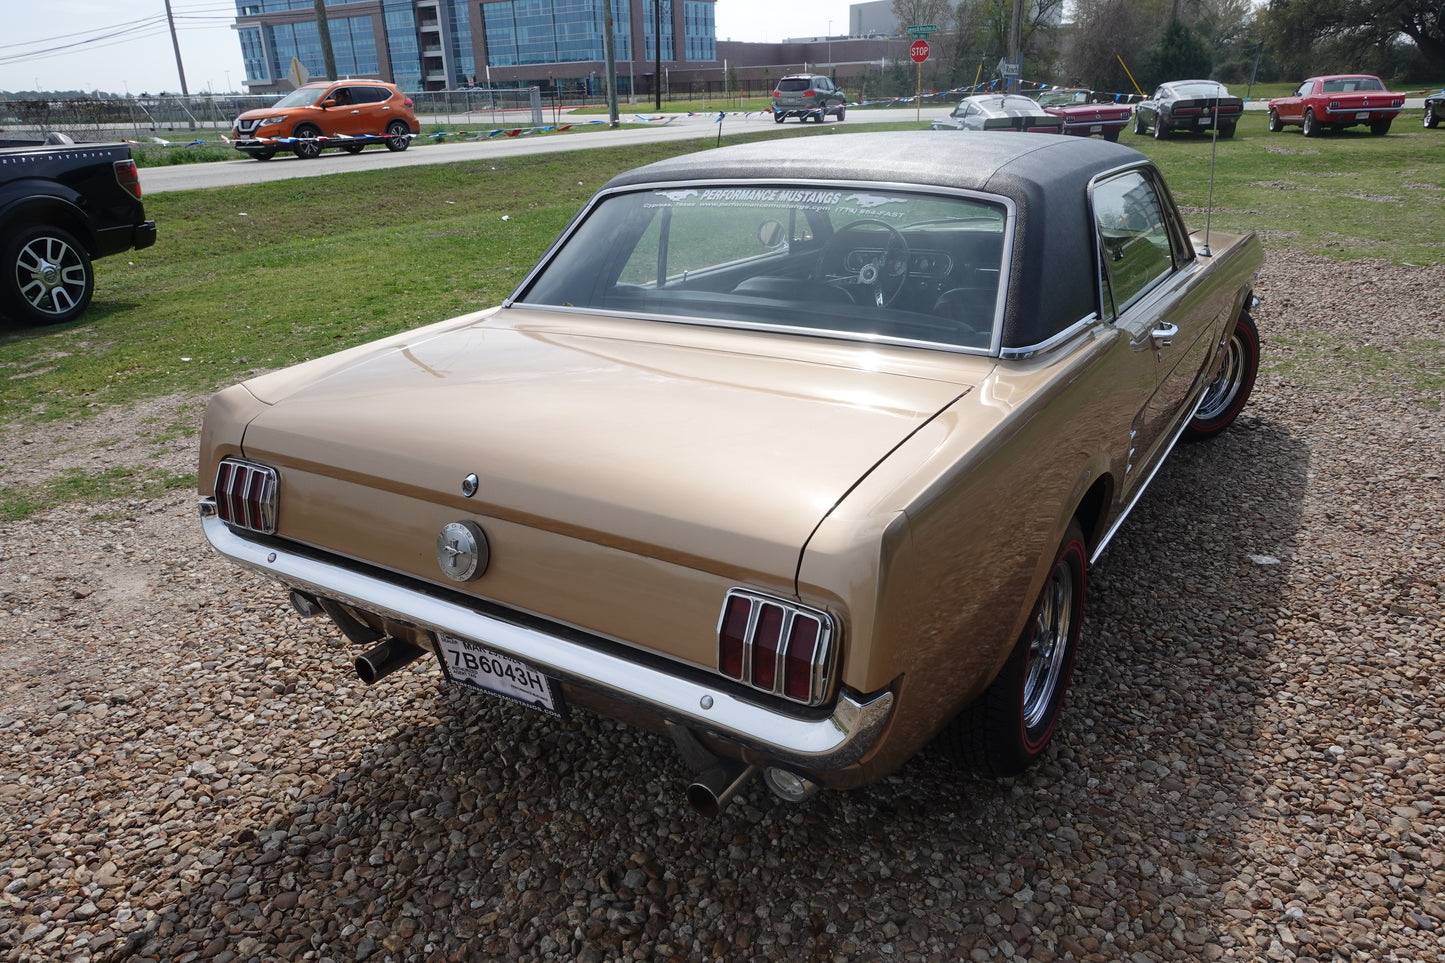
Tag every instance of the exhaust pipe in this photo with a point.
(713, 789)
(381, 660)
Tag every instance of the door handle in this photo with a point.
(1165, 334)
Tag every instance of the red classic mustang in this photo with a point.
(1082, 116)
(1336, 102)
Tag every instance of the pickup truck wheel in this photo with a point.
(1431, 119)
(396, 136)
(1311, 126)
(48, 277)
(1233, 381)
(1009, 726)
(1275, 124)
(1380, 128)
(307, 146)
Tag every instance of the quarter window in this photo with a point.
(1133, 237)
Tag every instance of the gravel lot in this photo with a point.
(1251, 765)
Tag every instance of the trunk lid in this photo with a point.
(704, 447)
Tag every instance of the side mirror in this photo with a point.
(328, 102)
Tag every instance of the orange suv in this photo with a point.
(346, 114)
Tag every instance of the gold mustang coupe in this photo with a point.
(800, 455)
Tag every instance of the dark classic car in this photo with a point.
(1000, 112)
(800, 457)
(1335, 102)
(1434, 110)
(1189, 106)
(1083, 115)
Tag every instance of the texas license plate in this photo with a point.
(481, 667)
(1363, 115)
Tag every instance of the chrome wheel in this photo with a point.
(1049, 654)
(307, 146)
(50, 278)
(1232, 383)
(1310, 126)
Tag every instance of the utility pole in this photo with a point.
(1016, 40)
(657, 49)
(176, 44)
(323, 31)
(610, 53)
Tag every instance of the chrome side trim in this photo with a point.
(1015, 354)
(835, 741)
(1144, 485)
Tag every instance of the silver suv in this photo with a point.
(808, 96)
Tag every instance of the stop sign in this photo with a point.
(919, 51)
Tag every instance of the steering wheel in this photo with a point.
(885, 260)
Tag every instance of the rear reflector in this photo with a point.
(776, 646)
(247, 495)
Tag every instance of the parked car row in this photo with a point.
(1320, 104)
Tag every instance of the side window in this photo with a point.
(1134, 237)
(1304, 89)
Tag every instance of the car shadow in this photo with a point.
(473, 829)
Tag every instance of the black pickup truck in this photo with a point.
(63, 204)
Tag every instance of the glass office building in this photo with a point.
(445, 44)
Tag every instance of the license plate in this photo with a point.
(472, 664)
(1096, 129)
(1363, 115)
(1205, 120)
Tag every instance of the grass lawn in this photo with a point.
(251, 278)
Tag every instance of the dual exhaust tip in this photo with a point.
(712, 789)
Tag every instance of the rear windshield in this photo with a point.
(1345, 85)
(1203, 88)
(794, 84)
(878, 264)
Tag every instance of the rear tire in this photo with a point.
(1112, 135)
(1310, 127)
(47, 277)
(1431, 119)
(1226, 132)
(1232, 384)
(1160, 131)
(263, 155)
(1009, 726)
(1380, 128)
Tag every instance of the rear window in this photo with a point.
(869, 263)
(793, 85)
(1346, 85)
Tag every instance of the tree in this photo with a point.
(1349, 34)
(1180, 55)
(1107, 35)
(981, 35)
(915, 12)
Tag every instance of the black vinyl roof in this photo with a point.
(1054, 277)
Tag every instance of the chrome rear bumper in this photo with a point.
(835, 741)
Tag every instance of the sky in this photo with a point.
(126, 47)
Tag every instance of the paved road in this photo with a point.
(155, 180)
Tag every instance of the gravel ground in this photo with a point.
(1251, 765)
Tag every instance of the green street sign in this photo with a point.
(922, 30)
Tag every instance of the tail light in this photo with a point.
(810, 93)
(777, 93)
(776, 646)
(247, 495)
(407, 101)
(128, 177)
